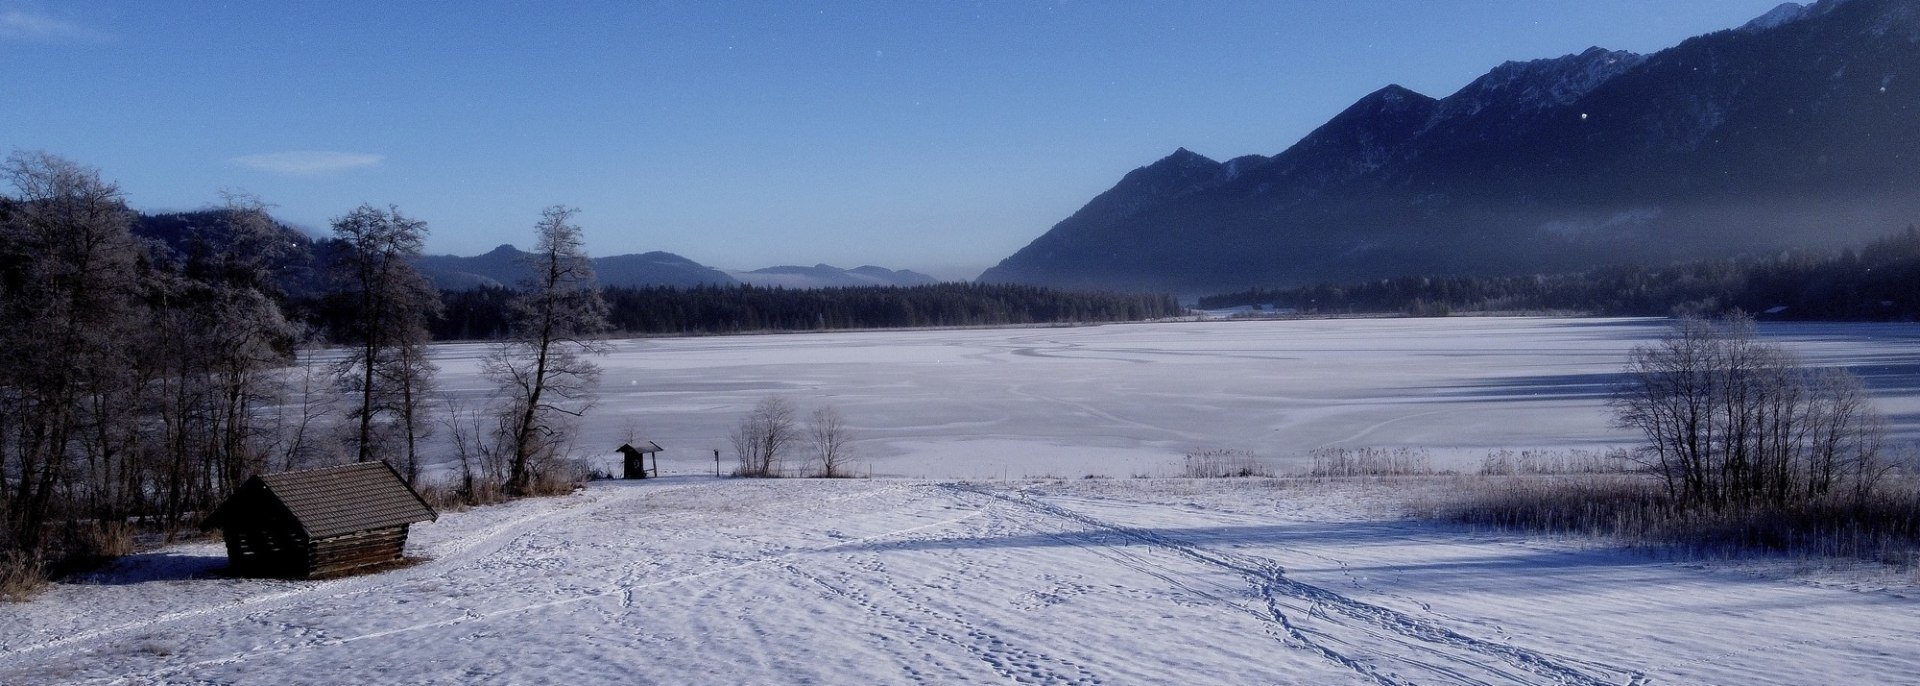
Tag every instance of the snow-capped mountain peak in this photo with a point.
(1538, 84)
(1786, 13)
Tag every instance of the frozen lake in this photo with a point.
(1133, 399)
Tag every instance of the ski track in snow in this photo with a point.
(1448, 655)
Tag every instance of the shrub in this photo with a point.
(1746, 450)
(457, 498)
(558, 477)
(1217, 464)
(1731, 421)
(91, 543)
(1509, 462)
(761, 439)
(1371, 462)
(1602, 506)
(1637, 510)
(22, 575)
(832, 442)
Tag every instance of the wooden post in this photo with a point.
(716, 462)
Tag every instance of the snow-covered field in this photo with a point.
(694, 580)
(690, 579)
(1126, 400)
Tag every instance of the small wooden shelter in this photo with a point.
(318, 522)
(636, 459)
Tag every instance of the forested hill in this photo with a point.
(480, 313)
(1879, 282)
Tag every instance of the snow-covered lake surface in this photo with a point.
(696, 580)
(1126, 400)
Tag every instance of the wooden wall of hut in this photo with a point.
(341, 554)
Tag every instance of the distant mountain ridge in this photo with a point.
(506, 265)
(299, 270)
(828, 276)
(1796, 129)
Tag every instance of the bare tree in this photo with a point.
(241, 330)
(482, 466)
(68, 273)
(761, 439)
(412, 376)
(207, 372)
(388, 370)
(832, 441)
(1731, 421)
(136, 376)
(304, 429)
(543, 372)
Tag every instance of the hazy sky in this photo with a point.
(938, 136)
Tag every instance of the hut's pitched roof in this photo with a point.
(332, 501)
(640, 447)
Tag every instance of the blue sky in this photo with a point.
(938, 136)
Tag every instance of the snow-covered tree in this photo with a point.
(388, 371)
(545, 377)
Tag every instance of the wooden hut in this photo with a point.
(636, 459)
(318, 522)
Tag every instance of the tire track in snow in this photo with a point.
(1332, 624)
(1376, 426)
(1021, 391)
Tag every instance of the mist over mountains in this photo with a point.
(1795, 130)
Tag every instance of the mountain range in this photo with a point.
(505, 266)
(298, 266)
(828, 276)
(1798, 129)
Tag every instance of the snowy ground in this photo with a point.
(1126, 400)
(694, 580)
(691, 579)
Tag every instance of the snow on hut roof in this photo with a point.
(332, 501)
